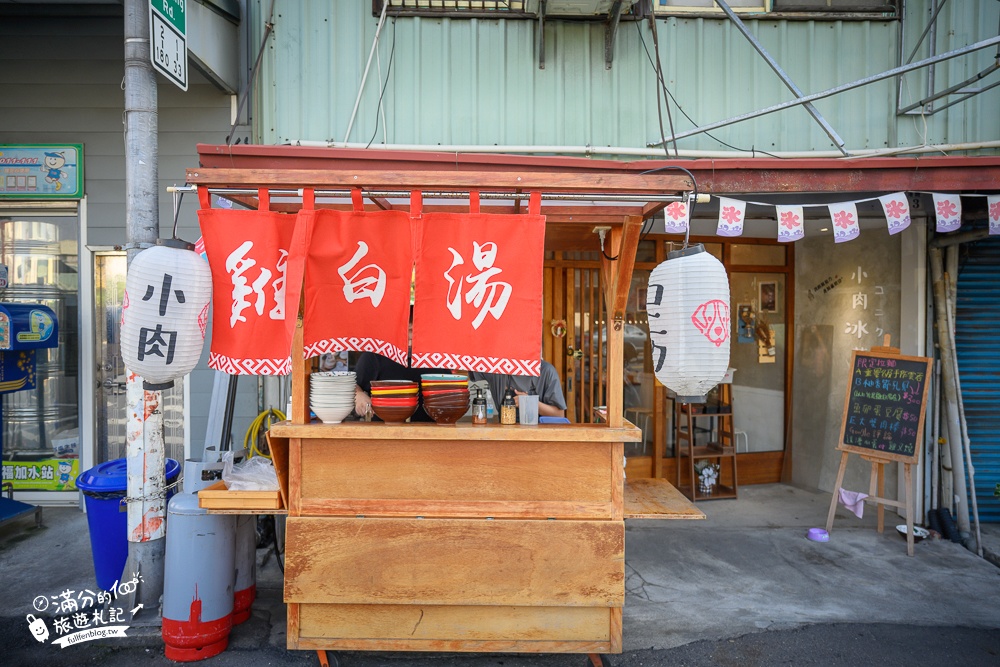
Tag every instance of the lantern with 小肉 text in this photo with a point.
(689, 326)
(168, 288)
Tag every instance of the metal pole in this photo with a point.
(830, 92)
(364, 77)
(946, 351)
(144, 436)
(787, 80)
(951, 278)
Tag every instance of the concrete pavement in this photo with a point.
(746, 569)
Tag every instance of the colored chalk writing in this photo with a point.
(886, 400)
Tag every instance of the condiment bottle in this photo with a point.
(508, 407)
(479, 407)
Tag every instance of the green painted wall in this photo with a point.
(474, 82)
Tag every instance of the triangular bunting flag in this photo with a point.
(731, 215)
(845, 221)
(948, 209)
(791, 223)
(897, 211)
(993, 211)
(676, 217)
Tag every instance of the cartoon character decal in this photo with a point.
(52, 165)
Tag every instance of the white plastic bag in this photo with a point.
(255, 474)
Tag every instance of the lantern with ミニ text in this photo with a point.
(164, 312)
(689, 325)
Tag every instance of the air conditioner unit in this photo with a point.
(576, 7)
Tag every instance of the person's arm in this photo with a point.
(365, 371)
(551, 395)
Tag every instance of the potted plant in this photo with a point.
(708, 476)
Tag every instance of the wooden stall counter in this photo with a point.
(425, 537)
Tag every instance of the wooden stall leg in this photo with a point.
(327, 660)
(599, 660)
(836, 491)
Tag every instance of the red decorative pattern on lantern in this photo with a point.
(712, 319)
(203, 320)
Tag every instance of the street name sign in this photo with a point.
(168, 40)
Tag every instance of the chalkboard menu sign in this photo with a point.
(885, 406)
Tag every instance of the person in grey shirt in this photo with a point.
(548, 387)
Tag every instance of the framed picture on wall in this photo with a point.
(768, 297)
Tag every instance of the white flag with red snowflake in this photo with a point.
(948, 209)
(791, 223)
(731, 215)
(897, 211)
(993, 211)
(845, 221)
(676, 217)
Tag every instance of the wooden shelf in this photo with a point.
(709, 451)
(423, 431)
(719, 492)
(720, 448)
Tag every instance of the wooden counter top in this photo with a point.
(460, 431)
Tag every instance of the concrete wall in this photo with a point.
(829, 325)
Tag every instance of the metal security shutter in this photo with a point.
(977, 338)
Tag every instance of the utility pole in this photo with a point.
(146, 485)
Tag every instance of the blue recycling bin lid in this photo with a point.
(112, 477)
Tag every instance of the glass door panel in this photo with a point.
(40, 433)
(109, 286)
(759, 316)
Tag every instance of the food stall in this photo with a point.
(460, 537)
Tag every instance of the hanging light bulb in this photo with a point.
(164, 312)
(689, 325)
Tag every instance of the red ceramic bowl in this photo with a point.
(394, 414)
(457, 391)
(446, 400)
(394, 402)
(446, 415)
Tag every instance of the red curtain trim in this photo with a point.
(376, 345)
(234, 366)
(476, 363)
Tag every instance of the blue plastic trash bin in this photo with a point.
(104, 489)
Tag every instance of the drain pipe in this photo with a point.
(946, 351)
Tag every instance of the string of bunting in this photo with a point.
(844, 215)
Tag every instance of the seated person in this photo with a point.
(372, 366)
(551, 402)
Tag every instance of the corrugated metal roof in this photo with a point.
(477, 81)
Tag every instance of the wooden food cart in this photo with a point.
(426, 537)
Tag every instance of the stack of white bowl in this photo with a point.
(331, 395)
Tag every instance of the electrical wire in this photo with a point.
(260, 425)
(666, 90)
(388, 71)
(694, 198)
(659, 78)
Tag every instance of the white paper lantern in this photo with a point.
(689, 325)
(165, 312)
